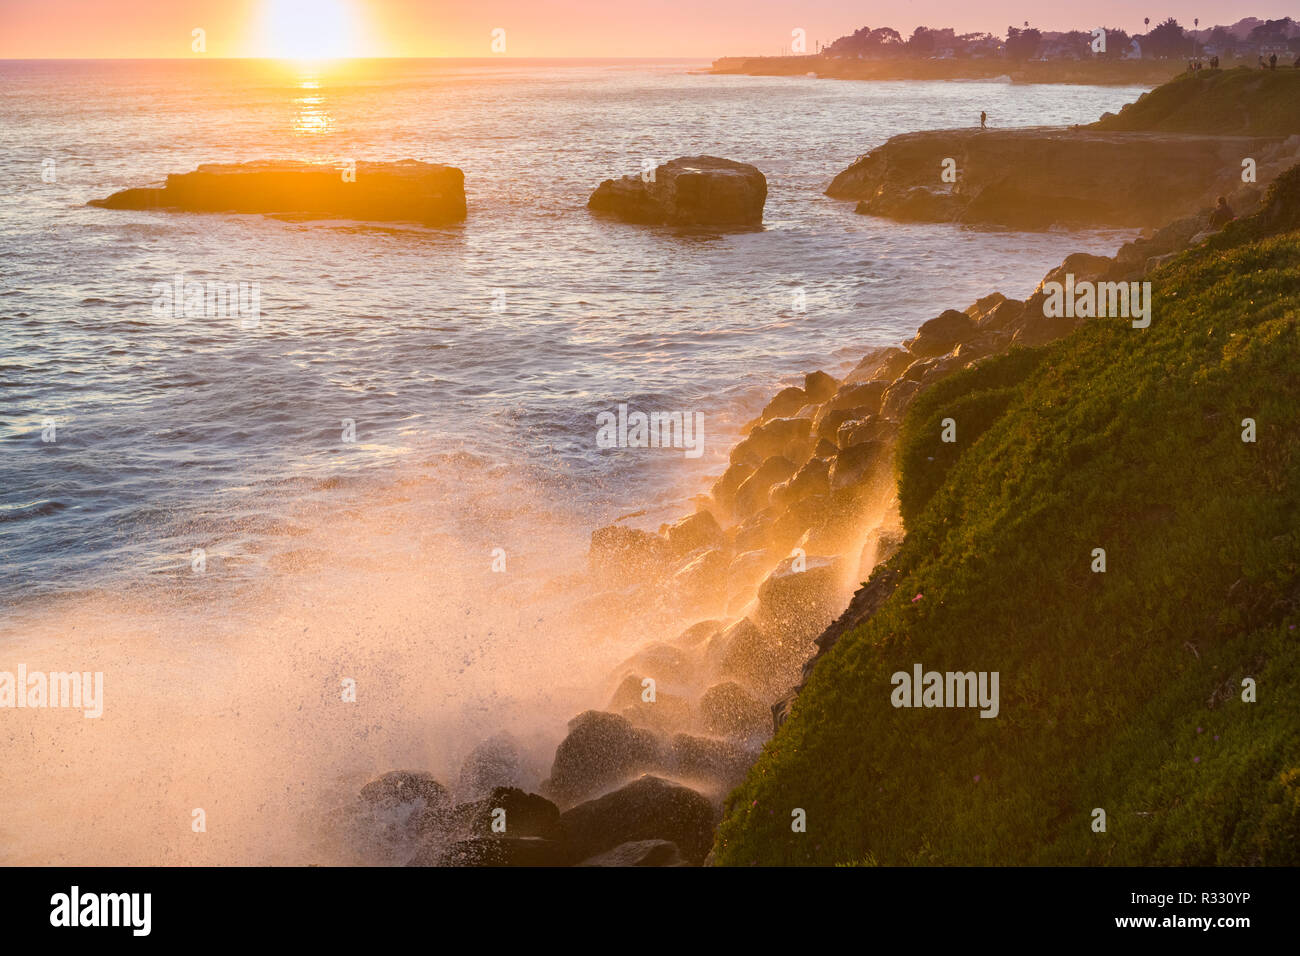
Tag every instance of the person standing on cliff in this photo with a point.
(984, 120)
(1222, 214)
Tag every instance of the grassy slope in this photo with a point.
(1112, 685)
(1238, 102)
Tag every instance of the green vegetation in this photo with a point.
(1120, 690)
(1240, 102)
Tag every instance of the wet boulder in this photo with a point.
(639, 853)
(942, 334)
(728, 710)
(649, 808)
(600, 751)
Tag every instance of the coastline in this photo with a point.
(1106, 73)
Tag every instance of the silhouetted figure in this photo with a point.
(984, 120)
(1214, 62)
(1222, 214)
(1272, 61)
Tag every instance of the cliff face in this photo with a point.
(1106, 524)
(1040, 177)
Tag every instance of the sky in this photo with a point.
(533, 28)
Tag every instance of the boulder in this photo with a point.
(523, 815)
(786, 437)
(819, 386)
(864, 395)
(797, 604)
(649, 808)
(700, 530)
(600, 751)
(786, 403)
(885, 364)
(404, 786)
(690, 191)
(717, 766)
(407, 190)
(858, 462)
(618, 551)
(755, 491)
(639, 853)
(493, 763)
(942, 334)
(812, 479)
(728, 710)
(897, 399)
(699, 633)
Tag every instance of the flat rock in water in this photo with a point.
(639, 853)
(408, 191)
(691, 191)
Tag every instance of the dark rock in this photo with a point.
(819, 386)
(404, 786)
(897, 399)
(649, 808)
(690, 191)
(409, 190)
(639, 853)
(716, 765)
(525, 815)
(942, 334)
(600, 751)
(493, 763)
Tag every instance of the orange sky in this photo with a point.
(591, 28)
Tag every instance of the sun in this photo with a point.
(309, 29)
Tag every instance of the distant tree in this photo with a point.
(921, 42)
(1078, 43)
(1223, 41)
(882, 41)
(1168, 39)
(1022, 44)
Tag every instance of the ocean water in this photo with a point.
(200, 531)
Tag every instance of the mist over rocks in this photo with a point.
(407, 191)
(689, 191)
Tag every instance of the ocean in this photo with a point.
(181, 507)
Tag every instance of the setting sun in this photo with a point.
(309, 29)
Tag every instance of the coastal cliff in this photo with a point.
(1111, 531)
(1172, 152)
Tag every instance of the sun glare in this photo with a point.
(310, 29)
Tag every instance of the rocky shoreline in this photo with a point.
(789, 551)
